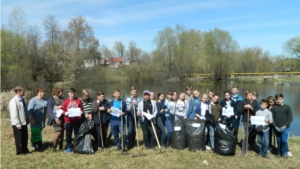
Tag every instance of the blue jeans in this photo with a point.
(131, 129)
(282, 138)
(211, 135)
(115, 130)
(263, 142)
(169, 127)
(69, 129)
(161, 128)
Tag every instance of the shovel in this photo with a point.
(137, 137)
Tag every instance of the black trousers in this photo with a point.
(97, 135)
(148, 134)
(21, 139)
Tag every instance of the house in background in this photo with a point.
(111, 63)
(117, 62)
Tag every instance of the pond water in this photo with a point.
(291, 91)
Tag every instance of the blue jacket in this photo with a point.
(194, 108)
(124, 109)
(238, 98)
(160, 106)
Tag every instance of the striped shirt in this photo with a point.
(87, 106)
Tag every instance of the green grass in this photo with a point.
(171, 158)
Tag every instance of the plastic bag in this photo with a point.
(36, 134)
(178, 138)
(195, 134)
(225, 141)
(83, 142)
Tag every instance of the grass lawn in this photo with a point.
(171, 158)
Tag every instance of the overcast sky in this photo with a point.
(264, 23)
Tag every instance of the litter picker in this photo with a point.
(247, 128)
(101, 133)
(137, 137)
(159, 147)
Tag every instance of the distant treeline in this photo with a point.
(28, 59)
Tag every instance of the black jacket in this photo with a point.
(243, 111)
(105, 116)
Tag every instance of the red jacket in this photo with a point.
(75, 103)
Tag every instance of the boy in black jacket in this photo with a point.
(282, 116)
(245, 106)
(100, 106)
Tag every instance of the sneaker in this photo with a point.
(289, 154)
(266, 157)
(118, 148)
(208, 148)
(69, 150)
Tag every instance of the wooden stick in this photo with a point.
(101, 128)
(247, 135)
(154, 132)
(136, 132)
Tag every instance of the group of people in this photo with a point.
(154, 115)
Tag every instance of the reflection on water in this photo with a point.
(291, 91)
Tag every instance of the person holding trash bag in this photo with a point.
(160, 118)
(100, 106)
(144, 107)
(132, 103)
(181, 107)
(229, 110)
(37, 108)
(212, 118)
(169, 117)
(193, 105)
(72, 110)
(118, 110)
(83, 142)
(248, 108)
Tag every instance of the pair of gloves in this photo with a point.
(280, 129)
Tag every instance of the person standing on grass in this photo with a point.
(132, 103)
(245, 106)
(19, 120)
(169, 117)
(71, 123)
(100, 105)
(147, 106)
(271, 101)
(263, 130)
(55, 103)
(188, 94)
(214, 110)
(37, 108)
(160, 118)
(283, 117)
(227, 103)
(237, 98)
(181, 107)
(193, 105)
(115, 121)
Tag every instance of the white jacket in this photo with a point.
(141, 109)
(17, 112)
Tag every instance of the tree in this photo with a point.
(292, 46)
(17, 20)
(133, 52)
(78, 33)
(219, 49)
(119, 48)
(51, 26)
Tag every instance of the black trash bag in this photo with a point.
(195, 130)
(178, 138)
(83, 142)
(225, 141)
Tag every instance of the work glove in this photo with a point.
(278, 129)
(282, 128)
